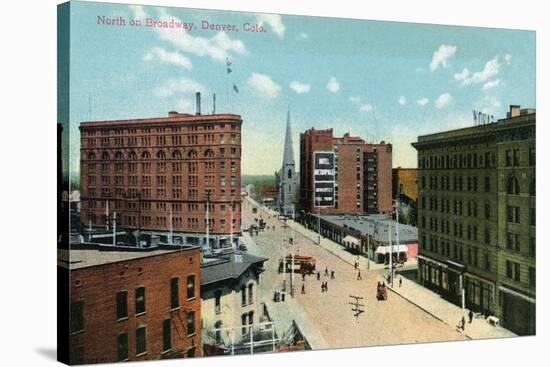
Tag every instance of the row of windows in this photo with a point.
(161, 154)
(147, 193)
(159, 130)
(160, 167)
(513, 272)
(472, 255)
(470, 160)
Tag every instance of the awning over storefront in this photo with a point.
(427, 259)
(382, 250)
(351, 239)
(517, 294)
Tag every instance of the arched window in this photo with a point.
(192, 153)
(533, 188)
(176, 154)
(145, 155)
(161, 154)
(91, 156)
(209, 153)
(119, 156)
(513, 186)
(105, 156)
(132, 156)
(289, 173)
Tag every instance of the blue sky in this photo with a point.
(380, 80)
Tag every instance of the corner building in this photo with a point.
(476, 215)
(362, 174)
(155, 170)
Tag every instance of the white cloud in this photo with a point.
(275, 23)
(333, 85)
(168, 57)
(443, 100)
(464, 74)
(138, 12)
(302, 36)
(491, 84)
(402, 100)
(491, 69)
(182, 85)
(264, 85)
(440, 56)
(422, 101)
(185, 104)
(217, 47)
(354, 99)
(508, 59)
(300, 88)
(366, 108)
(489, 105)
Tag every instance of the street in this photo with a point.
(394, 321)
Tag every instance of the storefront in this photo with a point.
(518, 311)
(480, 295)
(433, 275)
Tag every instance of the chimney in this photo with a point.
(198, 102)
(172, 113)
(214, 104)
(514, 111)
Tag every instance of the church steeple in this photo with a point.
(288, 155)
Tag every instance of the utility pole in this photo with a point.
(114, 229)
(391, 253)
(107, 215)
(357, 307)
(396, 230)
(208, 219)
(171, 226)
(231, 224)
(368, 250)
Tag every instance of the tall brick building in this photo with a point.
(153, 170)
(476, 215)
(344, 175)
(133, 304)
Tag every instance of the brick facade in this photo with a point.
(145, 168)
(96, 288)
(363, 173)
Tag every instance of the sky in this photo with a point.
(380, 80)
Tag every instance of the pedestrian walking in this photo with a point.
(359, 275)
(462, 324)
(303, 277)
(400, 282)
(355, 265)
(389, 278)
(326, 272)
(323, 287)
(332, 274)
(470, 316)
(326, 286)
(303, 289)
(318, 275)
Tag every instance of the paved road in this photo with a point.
(327, 316)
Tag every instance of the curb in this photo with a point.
(425, 310)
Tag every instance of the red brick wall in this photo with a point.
(181, 134)
(323, 140)
(97, 287)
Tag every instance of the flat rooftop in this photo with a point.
(95, 255)
(375, 226)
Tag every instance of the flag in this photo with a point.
(235, 88)
(227, 62)
(229, 70)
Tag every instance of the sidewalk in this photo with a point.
(445, 311)
(283, 313)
